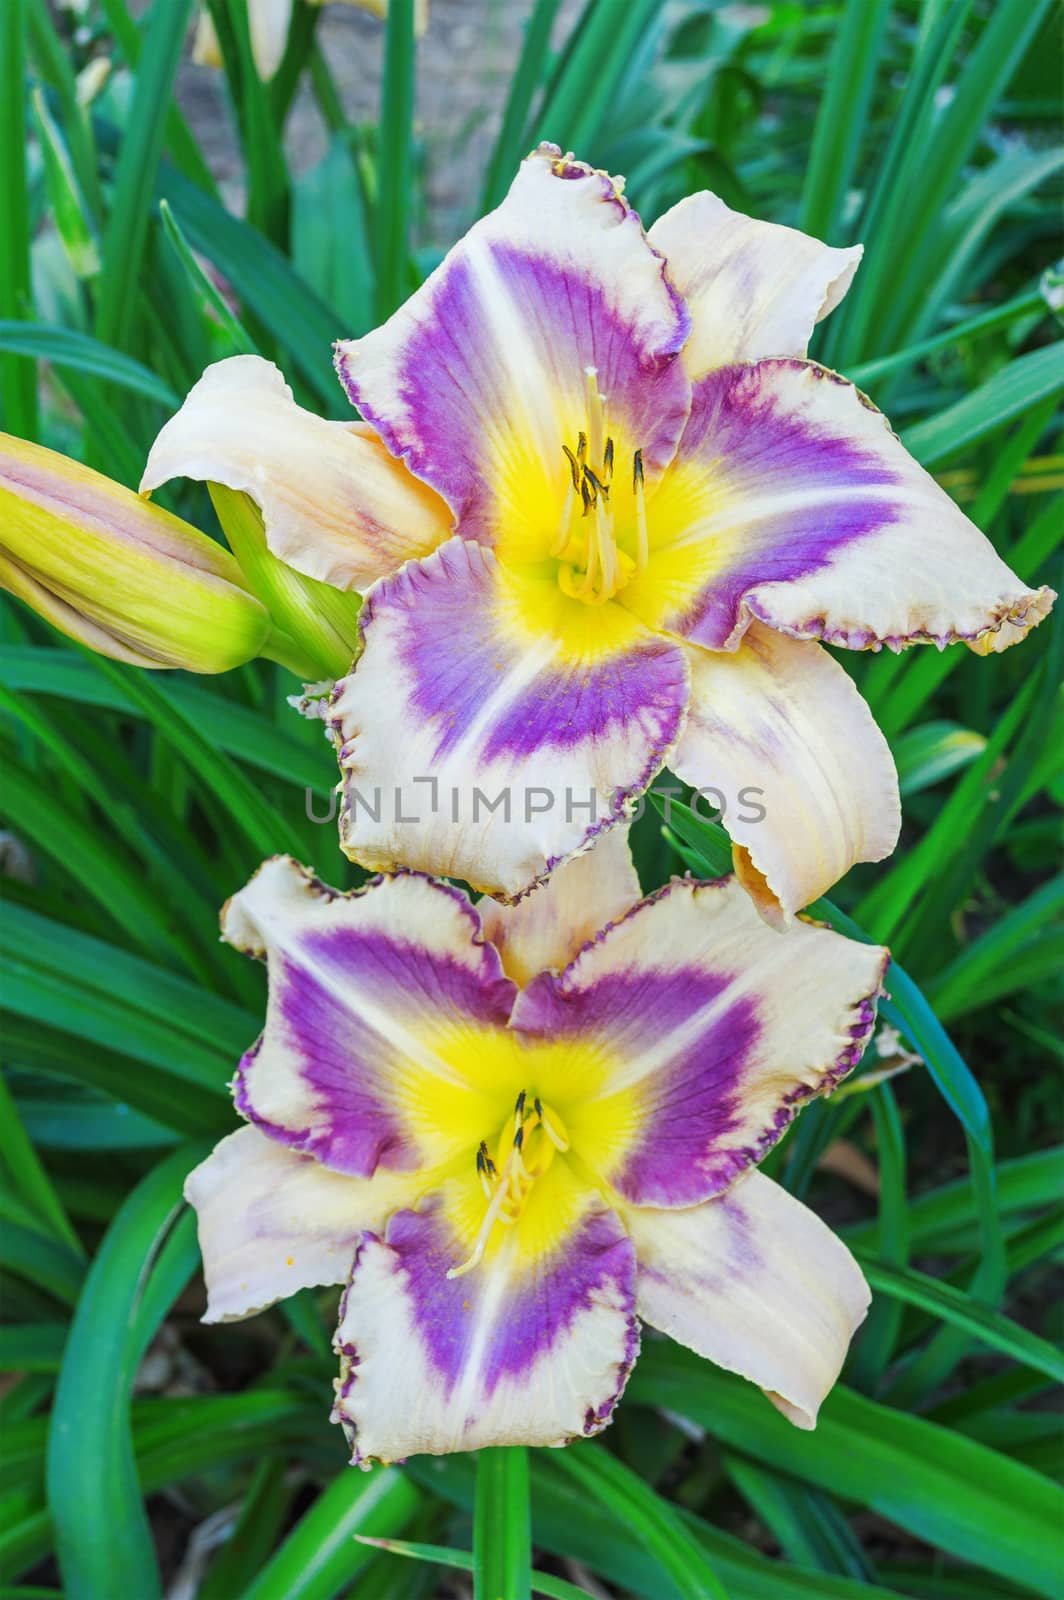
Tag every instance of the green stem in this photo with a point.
(502, 1534)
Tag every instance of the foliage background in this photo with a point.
(143, 1454)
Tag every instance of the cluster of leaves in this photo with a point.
(135, 1442)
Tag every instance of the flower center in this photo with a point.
(592, 568)
(524, 1149)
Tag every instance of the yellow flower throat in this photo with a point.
(592, 566)
(526, 1146)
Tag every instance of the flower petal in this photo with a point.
(755, 1282)
(272, 1221)
(375, 998)
(532, 1347)
(547, 927)
(753, 288)
(479, 379)
(716, 1029)
(786, 746)
(476, 687)
(792, 502)
(336, 506)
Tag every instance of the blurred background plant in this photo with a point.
(158, 216)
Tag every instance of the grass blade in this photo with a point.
(135, 174)
(965, 1499)
(321, 1556)
(635, 1505)
(103, 1541)
(18, 375)
(840, 124)
(511, 141)
(396, 157)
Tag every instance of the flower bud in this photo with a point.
(118, 574)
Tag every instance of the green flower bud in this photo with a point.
(119, 574)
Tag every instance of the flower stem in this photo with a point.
(502, 1538)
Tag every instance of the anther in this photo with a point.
(642, 536)
(519, 1137)
(574, 465)
(607, 461)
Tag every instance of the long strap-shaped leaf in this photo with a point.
(103, 1540)
(961, 1497)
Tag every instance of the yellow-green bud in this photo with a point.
(119, 574)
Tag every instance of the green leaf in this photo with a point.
(844, 106)
(933, 751)
(960, 1497)
(249, 812)
(26, 1171)
(1020, 949)
(210, 302)
(634, 1504)
(464, 1561)
(951, 1305)
(32, 1347)
(18, 376)
(511, 144)
(103, 1541)
(249, 736)
(80, 352)
(320, 1557)
(135, 173)
(1024, 383)
(395, 159)
(502, 1553)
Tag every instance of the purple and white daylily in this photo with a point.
(516, 1132)
(646, 510)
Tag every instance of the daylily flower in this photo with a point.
(121, 576)
(658, 509)
(516, 1132)
(268, 24)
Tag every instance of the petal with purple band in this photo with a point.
(335, 505)
(713, 1032)
(792, 502)
(755, 1282)
(368, 992)
(547, 927)
(778, 735)
(480, 377)
(753, 288)
(534, 1347)
(272, 1221)
(492, 725)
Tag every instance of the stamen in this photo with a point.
(643, 541)
(507, 1191)
(574, 465)
(607, 462)
(551, 1131)
(491, 1216)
